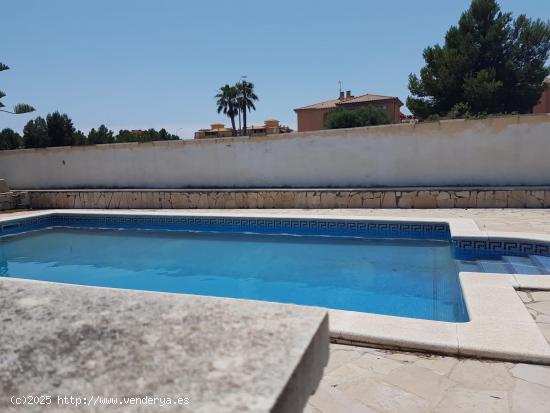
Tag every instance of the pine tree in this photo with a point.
(490, 63)
(101, 135)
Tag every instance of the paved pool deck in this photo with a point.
(369, 380)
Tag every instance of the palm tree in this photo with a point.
(246, 99)
(228, 103)
(17, 109)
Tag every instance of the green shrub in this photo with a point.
(459, 111)
(352, 118)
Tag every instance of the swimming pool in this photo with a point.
(396, 277)
(395, 268)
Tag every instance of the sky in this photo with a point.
(138, 64)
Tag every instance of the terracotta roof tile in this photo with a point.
(322, 105)
(354, 99)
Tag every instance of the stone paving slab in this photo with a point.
(373, 380)
(224, 355)
(400, 382)
(538, 305)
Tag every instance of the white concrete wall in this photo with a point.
(501, 151)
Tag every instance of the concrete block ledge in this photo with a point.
(224, 355)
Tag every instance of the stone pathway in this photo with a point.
(361, 379)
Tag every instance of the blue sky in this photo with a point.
(158, 63)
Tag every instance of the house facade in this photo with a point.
(544, 103)
(313, 117)
(218, 130)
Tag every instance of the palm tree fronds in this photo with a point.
(246, 99)
(227, 103)
(23, 108)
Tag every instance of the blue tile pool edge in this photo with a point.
(281, 226)
(464, 248)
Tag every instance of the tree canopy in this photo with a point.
(101, 135)
(351, 118)
(148, 135)
(35, 134)
(9, 139)
(58, 130)
(489, 63)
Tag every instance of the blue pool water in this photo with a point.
(395, 277)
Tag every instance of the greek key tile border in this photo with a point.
(462, 248)
(477, 248)
(295, 226)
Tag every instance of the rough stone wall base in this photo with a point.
(13, 200)
(295, 198)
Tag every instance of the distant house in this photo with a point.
(313, 117)
(218, 130)
(544, 103)
(270, 127)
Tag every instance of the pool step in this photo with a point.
(542, 262)
(532, 265)
(523, 265)
(496, 266)
(468, 266)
